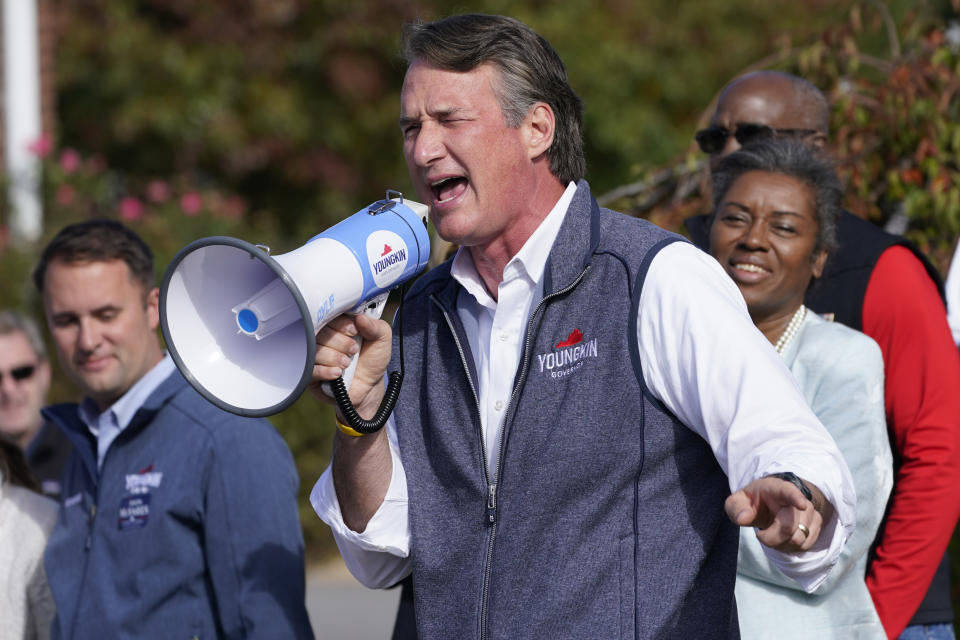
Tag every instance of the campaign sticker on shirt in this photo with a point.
(134, 512)
(387, 253)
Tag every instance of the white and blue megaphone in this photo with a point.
(241, 325)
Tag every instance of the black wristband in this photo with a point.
(792, 478)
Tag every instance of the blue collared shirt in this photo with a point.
(106, 426)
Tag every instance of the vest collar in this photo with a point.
(576, 241)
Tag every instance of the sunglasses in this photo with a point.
(714, 139)
(19, 374)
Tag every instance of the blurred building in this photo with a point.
(27, 106)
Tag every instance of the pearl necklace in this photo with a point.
(791, 329)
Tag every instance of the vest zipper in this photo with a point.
(517, 385)
(492, 503)
(87, 545)
(473, 388)
(492, 487)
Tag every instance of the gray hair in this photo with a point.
(531, 71)
(12, 321)
(796, 160)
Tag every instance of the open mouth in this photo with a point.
(751, 268)
(447, 189)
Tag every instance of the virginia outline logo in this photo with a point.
(575, 337)
(569, 356)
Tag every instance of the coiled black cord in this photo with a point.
(342, 396)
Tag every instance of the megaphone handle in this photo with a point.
(347, 375)
(340, 394)
(374, 309)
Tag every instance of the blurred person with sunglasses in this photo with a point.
(714, 138)
(24, 382)
(882, 285)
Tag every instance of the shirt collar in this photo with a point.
(129, 403)
(530, 260)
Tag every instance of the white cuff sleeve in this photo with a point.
(810, 568)
(378, 557)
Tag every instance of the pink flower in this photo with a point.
(131, 209)
(158, 191)
(42, 146)
(69, 160)
(191, 203)
(65, 195)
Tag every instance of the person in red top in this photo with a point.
(880, 284)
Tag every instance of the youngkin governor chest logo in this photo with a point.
(568, 355)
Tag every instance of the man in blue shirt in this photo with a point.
(166, 530)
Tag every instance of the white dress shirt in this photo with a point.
(702, 358)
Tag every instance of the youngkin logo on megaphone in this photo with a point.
(387, 253)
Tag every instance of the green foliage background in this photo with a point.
(272, 119)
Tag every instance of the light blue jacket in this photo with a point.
(840, 372)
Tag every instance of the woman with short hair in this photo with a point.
(776, 203)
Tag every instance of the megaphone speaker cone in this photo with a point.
(239, 371)
(241, 325)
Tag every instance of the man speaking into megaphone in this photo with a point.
(583, 390)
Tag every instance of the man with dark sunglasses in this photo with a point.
(714, 138)
(761, 105)
(24, 381)
(882, 285)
